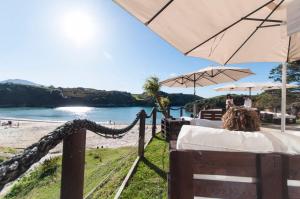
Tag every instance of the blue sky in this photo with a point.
(120, 54)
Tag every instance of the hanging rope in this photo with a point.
(151, 114)
(13, 168)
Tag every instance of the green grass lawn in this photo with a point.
(107, 167)
(150, 178)
(6, 150)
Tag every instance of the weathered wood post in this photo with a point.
(169, 111)
(142, 133)
(181, 111)
(154, 121)
(73, 161)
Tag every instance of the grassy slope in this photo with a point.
(6, 150)
(99, 164)
(150, 179)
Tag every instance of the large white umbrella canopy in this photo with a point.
(208, 76)
(225, 31)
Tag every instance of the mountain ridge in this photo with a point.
(17, 95)
(20, 82)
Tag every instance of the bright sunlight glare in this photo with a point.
(79, 27)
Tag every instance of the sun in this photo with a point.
(79, 27)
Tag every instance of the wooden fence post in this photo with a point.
(73, 161)
(169, 111)
(142, 133)
(181, 111)
(154, 121)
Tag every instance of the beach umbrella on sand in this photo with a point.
(207, 76)
(249, 86)
(225, 31)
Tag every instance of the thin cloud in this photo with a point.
(173, 75)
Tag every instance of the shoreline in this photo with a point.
(31, 120)
(56, 121)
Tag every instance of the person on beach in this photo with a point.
(229, 101)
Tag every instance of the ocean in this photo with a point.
(118, 115)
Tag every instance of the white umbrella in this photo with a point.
(249, 86)
(226, 31)
(207, 76)
(276, 85)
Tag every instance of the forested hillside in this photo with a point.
(16, 95)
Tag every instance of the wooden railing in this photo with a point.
(73, 135)
(73, 158)
(175, 109)
(235, 175)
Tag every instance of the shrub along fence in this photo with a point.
(73, 135)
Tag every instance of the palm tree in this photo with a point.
(152, 88)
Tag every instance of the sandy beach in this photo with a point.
(24, 133)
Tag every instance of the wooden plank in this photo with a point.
(273, 177)
(181, 176)
(294, 167)
(219, 189)
(224, 163)
(294, 192)
(129, 174)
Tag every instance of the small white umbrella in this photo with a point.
(249, 86)
(207, 76)
(277, 85)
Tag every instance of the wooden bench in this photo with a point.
(233, 175)
(211, 114)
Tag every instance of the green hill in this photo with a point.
(16, 95)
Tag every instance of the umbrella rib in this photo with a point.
(241, 71)
(229, 76)
(268, 26)
(175, 81)
(231, 25)
(268, 20)
(160, 11)
(249, 37)
(288, 53)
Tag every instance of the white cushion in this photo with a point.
(212, 139)
(206, 123)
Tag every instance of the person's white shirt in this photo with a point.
(229, 103)
(248, 103)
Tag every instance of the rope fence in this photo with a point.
(73, 135)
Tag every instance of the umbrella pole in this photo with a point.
(194, 84)
(283, 97)
(250, 92)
